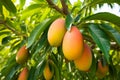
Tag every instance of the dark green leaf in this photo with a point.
(77, 18)
(93, 67)
(12, 72)
(9, 5)
(23, 27)
(31, 73)
(56, 72)
(68, 21)
(101, 39)
(114, 34)
(42, 41)
(5, 40)
(105, 16)
(38, 30)
(39, 69)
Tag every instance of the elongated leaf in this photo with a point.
(38, 30)
(94, 3)
(9, 5)
(68, 22)
(1, 12)
(114, 34)
(31, 73)
(105, 16)
(46, 12)
(12, 72)
(39, 69)
(5, 40)
(103, 1)
(30, 10)
(22, 3)
(42, 41)
(101, 39)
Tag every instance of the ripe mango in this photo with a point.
(101, 70)
(22, 55)
(84, 62)
(56, 32)
(24, 74)
(48, 72)
(72, 45)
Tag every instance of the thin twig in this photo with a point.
(65, 7)
(54, 6)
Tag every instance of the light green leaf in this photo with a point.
(105, 16)
(30, 10)
(22, 3)
(9, 5)
(101, 39)
(46, 12)
(38, 30)
(114, 34)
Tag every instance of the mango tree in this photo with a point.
(59, 40)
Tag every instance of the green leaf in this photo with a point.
(6, 39)
(38, 30)
(39, 69)
(105, 16)
(103, 1)
(9, 5)
(68, 22)
(13, 72)
(30, 10)
(46, 12)
(42, 41)
(22, 3)
(31, 73)
(8, 66)
(100, 2)
(77, 18)
(56, 72)
(114, 34)
(93, 66)
(1, 12)
(101, 39)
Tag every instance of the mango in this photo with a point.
(22, 55)
(72, 45)
(48, 72)
(101, 70)
(24, 74)
(56, 32)
(84, 62)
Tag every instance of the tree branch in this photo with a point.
(65, 7)
(54, 6)
(13, 30)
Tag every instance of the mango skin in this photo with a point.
(72, 45)
(24, 74)
(48, 74)
(84, 62)
(56, 32)
(22, 55)
(101, 70)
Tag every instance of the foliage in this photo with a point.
(21, 25)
